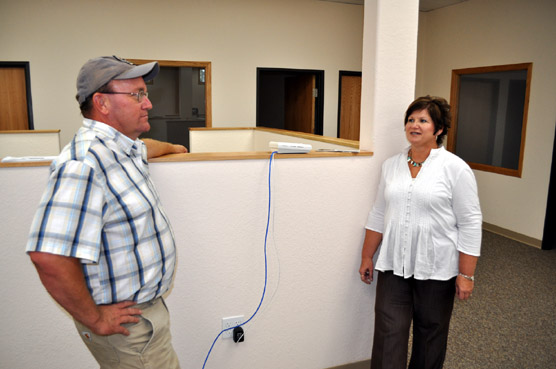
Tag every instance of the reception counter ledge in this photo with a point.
(218, 156)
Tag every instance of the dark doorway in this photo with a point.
(291, 99)
(549, 234)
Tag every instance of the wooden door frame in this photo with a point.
(343, 73)
(26, 68)
(319, 85)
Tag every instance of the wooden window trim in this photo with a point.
(190, 64)
(454, 99)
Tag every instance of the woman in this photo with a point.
(427, 219)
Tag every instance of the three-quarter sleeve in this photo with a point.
(467, 210)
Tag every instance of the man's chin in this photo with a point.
(146, 127)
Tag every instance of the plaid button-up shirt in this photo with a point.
(101, 207)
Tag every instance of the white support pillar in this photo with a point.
(389, 70)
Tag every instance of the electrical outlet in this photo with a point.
(230, 322)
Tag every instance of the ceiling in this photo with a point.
(424, 5)
(428, 5)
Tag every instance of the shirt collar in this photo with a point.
(435, 152)
(125, 143)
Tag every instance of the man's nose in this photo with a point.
(146, 103)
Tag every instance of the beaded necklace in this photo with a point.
(413, 162)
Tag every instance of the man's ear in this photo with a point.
(101, 103)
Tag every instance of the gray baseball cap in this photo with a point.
(97, 72)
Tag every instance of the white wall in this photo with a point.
(479, 33)
(317, 314)
(241, 140)
(29, 143)
(237, 36)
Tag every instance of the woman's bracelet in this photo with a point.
(468, 277)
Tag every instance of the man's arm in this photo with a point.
(157, 148)
(63, 278)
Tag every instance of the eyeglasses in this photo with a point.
(138, 95)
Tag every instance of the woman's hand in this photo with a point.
(464, 287)
(366, 270)
(370, 245)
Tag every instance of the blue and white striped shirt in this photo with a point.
(100, 206)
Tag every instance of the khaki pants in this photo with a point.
(149, 345)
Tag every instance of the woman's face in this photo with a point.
(419, 129)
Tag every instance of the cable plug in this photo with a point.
(238, 334)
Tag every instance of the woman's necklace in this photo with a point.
(413, 162)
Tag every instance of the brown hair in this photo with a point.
(438, 109)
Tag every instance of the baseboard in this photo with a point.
(512, 235)
(366, 364)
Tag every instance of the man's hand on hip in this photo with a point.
(113, 316)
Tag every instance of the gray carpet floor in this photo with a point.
(510, 321)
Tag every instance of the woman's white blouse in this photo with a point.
(426, 221)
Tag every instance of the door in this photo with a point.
(349, 105)
(15, 113)
(300, 103)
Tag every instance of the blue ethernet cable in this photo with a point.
(265, 262)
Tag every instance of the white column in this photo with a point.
(389, 69)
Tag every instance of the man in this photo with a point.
(100, 240)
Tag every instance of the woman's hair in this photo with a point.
(438, 109)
